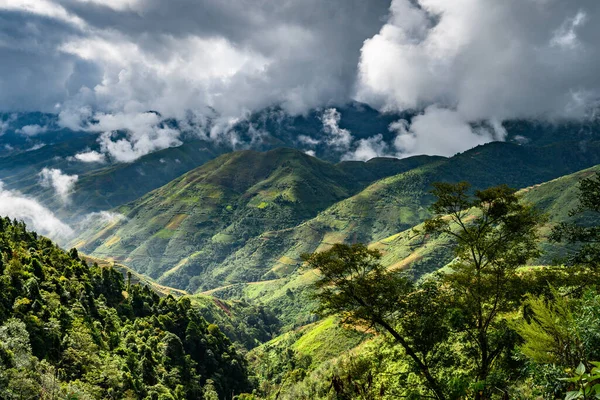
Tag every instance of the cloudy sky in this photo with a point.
(454, 62)
(484, 59)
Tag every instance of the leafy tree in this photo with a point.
(71, 330)
(494, 234)
(353, 283)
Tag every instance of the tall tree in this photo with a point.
(352, 282)
(494, 234)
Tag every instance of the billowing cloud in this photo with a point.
(338, 138)
(438, 132)
(62, 184)
(15, 205)
(139, 55)
(485, 59)
(481, 61)
(99, 218)
(369, 148)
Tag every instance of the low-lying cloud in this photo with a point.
(15, 205)
(89, 156)
(32, 130)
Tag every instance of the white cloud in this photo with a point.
(118, 5)
(338, 138)
(369, 148)
(483, 61)
(15, 205)
(62, 184)
(566, 36)
(36, 146)
(138, 144)
(437, 132)
(102, 218)
(144, 133)
(32, 130)
(91, 156)
(4, 127)
(5, 123)
(45, 8)
(138, 55)
(484, 58)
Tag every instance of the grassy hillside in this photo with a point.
(286, 296)
(404, 250)
(180, 232)
(398, 203)
(248, 216)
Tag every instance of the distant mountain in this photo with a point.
(185, 228)
(397, 203)
(287, 295)
(248, 216)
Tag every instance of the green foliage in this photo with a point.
(550, 336)
(587, 384)
(497, 239)
(77, 331)
(462, 308)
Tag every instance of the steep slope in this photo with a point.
(409, 251)
(184, 229)
(71, 330)
(397, 203)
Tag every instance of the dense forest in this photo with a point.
(71, 330)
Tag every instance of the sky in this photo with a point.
(463, 66)
(459, 61)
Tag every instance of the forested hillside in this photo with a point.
(73, 330)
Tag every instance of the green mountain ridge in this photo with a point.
(248, 216)
(398, 203)
(176, 232)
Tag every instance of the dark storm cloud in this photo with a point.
(32, 72)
